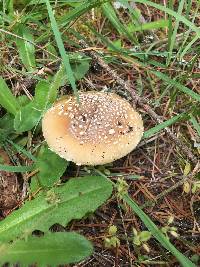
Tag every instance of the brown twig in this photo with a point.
(141, 101)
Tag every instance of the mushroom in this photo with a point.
(99, 129)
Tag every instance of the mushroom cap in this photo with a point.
(99, 129)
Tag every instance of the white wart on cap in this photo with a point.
(101, 128)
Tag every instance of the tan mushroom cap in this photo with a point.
(101, 128)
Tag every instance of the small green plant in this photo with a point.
(195, 187)
(122, 187)
(168, 229)
(140, 239)
(112, 241)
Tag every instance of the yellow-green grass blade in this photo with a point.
(173, 37)
(176, 84)
(172, 13)
(61, 48)
(162, 239)
(163, 125)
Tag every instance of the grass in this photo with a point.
(155, 48)
(64, 55)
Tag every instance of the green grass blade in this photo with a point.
(109, 12)
(9, 168)
(181, 87)
(7, 100)
(172, 13)
(163, 125)
(135, 14)
(184, 261)
(188, 46)
(22, 150)
(77, 12)
(162, 23)
(55, 84)
(195, 124)
(170, 29)
(188, 8)
(184, 46)
(173, 37)
(103, 39)
(61, 48)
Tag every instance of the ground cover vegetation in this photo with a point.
(141, 210)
